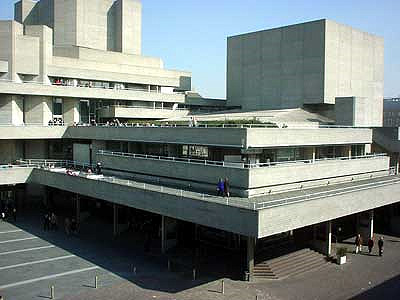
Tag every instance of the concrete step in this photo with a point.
(288, 269)
(293, 259)
(286, 256)
(291, 264)
(304, 269)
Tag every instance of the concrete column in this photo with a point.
(78, 209)
(328, 245)
(371, 224)
(163, 235)
(250, 255)
(313, 154)
(115, 220)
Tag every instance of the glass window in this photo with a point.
(57, 107)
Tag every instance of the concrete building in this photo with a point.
(323, 65)
(61, 60)
(294, 176)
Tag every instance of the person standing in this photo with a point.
(220, 187)
(358, 243)
(46, 224)
(14, 211)
(370, 244)
(380, 246)
(226, 187)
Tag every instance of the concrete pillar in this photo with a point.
(115, 220)
(163, 235)
(313, 154)
(250, 255)
(78, 208)
(328, 244)
(371, 224)
(71, 111)
(45, 35)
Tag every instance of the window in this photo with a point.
(57, 107)
(195, 151)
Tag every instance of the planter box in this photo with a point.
(341, 260)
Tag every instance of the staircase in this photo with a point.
(291, 264)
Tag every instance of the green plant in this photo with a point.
(341, 251)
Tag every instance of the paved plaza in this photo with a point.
(32, 260)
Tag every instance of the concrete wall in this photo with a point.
(354, 66)
(10, 150)
(32, 132)
(277, 68)
(229, 218)
(359, 111)
(303, 172)
(11, 109)
(71, 111)
(86, 93)
(254, 181)
(309, 63)
(185, 135)
(14, 176)
(128, 26)
(140, 113)
(239, 178)
(36, 149)
(274, 137)
(45, 53)
(38, 110)
(288, 217)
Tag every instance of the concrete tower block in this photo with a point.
(45, 35)
(128, 26)
(10, 31)
(25, 12)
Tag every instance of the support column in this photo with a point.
(250, 256)
(163, 235)
(115, 220)
(371, 224)
(313, 154)
(328, 245)
(78, 209)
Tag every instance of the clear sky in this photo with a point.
(191, 34)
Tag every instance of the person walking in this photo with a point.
(46, 223)
(358, 243)
(226, 187)
(14, 212)
(220, 187)
(380, 246)
(370, 244)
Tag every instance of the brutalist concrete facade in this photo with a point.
(306, 64)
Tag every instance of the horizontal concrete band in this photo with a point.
(246, 221)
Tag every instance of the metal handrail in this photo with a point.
(229, 201)
(239, 165)
(92, 87)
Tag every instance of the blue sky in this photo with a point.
(191, 34)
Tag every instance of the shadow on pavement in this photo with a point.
(389, 289)
(118, 256)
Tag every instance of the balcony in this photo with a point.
(249, 179)
(85, 92)
(138, 112)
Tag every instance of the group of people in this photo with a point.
(359, 244)
(7, 212)
(223, 188)
(50, 221)
(71, 226)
